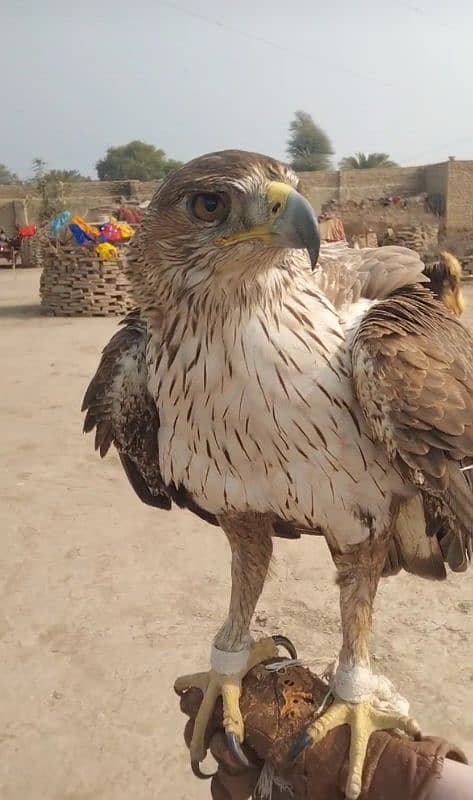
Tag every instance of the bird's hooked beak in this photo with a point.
(291, 223)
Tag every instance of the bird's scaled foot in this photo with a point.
(363, 720)
(224, 680)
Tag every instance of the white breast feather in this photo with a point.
(268, 422)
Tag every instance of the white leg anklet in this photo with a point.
(226, 662)
(357, 684)
(354, 684)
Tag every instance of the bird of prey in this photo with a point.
(445, 281)
(273, 390)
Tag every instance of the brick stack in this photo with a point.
(467, 265)
(368, 239)
(75, 282)
(421, 239)
(30, 252)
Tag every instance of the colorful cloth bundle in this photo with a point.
(106, 251)
(131, 215)
(90, 230)
(59, 222)
(27, 232)
(80, 236)
(126, 231)
(110, 232)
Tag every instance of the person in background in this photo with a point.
(331, 228)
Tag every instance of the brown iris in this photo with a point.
(210, 207)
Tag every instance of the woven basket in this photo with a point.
(422, 239)
(30, 252)
(75, 282)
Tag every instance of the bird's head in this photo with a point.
(445, 282)
(220, 219)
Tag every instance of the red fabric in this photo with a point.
(132, 216)
(25, 233)
(110, 232)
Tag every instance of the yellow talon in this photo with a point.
(213, 684)
(363, 720)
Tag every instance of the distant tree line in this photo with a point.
(309, 148)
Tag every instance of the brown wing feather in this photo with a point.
(119, 407)
(345, 274)
(413, 376)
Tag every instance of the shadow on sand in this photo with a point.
(16, 312)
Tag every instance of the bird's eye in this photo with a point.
(210, 207)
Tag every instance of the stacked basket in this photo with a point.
(422, 239)
(75, 282)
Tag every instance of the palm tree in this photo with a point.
(367, 161)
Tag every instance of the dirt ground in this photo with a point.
(104, 601)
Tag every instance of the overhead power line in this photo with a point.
(275, 45)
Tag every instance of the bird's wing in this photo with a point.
(413, 377)
(347, 275)
(118, 405)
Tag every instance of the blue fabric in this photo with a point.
(79, 235)
(58, 223)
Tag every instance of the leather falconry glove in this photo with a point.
(277, 704)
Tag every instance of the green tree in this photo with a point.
(135, 161)
(53, 176)
(49, 183)
(65, 176)
(171, 165)
(367, 161)
(308, 146)
(6, 176)
(39, 168)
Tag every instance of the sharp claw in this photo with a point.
(302, 742)
(283, 641)
(203, 776)
(236, 751)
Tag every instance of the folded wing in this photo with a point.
(346, 275)
(413, 377)
(118, 405)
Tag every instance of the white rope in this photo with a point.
(281, 666)
(319, 711)
(267, 779)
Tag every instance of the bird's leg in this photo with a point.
(363, 701)
(233, 654)
(358, 574)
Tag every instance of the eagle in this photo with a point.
(445, 281)
(277, 387)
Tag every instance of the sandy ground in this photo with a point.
(104, 601)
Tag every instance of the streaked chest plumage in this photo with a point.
(257, 413)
